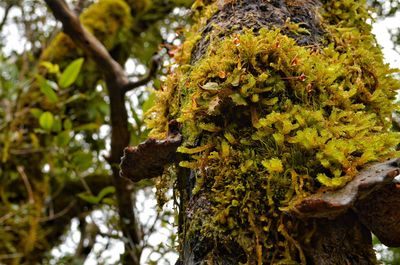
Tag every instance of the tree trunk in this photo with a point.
(277, 100)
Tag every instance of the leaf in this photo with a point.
(56, 125)
(238, 100)
(87, 127)
(211, 86)
(96, 199)
(46, 120)
(273, 165)
(76, 97)
(105, 191)
(63, 138)
(47, 89)
(67, 124)
(186, 150)
(87, 197)
(82, 160)
(36, 112)
(52, 68)
(69, 75)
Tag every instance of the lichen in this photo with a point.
(266, 121)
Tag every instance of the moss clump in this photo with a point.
(107, 20)
(267, 121)
(115, 21)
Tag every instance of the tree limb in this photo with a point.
(116, 80)
(6, 13)
(86, 41)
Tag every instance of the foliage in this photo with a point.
(54, 125)
(267, 122)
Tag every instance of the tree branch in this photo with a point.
(116, 80)
(154, 64)
(86, 41)
(6, 13)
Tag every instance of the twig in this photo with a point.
(154, 64)
(11, 256)
(28, 186)
(60, 213)
(6, 13)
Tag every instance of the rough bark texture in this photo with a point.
(276, 102)
(343, 239)
(255, 14)
(149, 158)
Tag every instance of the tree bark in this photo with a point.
(342, 239)
(273, 169)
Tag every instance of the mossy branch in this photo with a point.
(86, 41)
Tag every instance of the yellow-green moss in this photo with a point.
(108, 20)
(266, 121)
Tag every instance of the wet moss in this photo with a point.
(267, 121)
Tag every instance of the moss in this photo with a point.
(108, 20)
(114, 24)
(267, 121)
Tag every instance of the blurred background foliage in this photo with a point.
(57, 196)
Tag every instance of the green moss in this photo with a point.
(114, 22)
(266, 121)
(108, 20)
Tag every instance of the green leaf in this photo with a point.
(82, 160)
(273, 165)
(56, 125)
(87, 197)
(96, 199)
(63, 138)
(46, 120)
(105, 191)
(36, 112)
(88, 127)
(70, 73)
(157, 84)
(238, 100)
(67, 124)
(47, 89)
